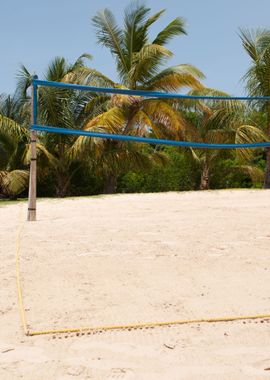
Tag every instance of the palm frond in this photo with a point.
(79, 63)
(162, 113)
(254, 172)
(24, 79)
(255, 42)
(248, 134)
(88, 76)
(122, 100)
(96, 105)
(196, 155)
(227, 114)
(219, 136)
(135, 35)
(257, 45)
(248, 39)
(42, 152)
(176, 77)
(10, 127)
(173, 29)
(142, 123)
(111, 121)
(152, 19)
(14, 182)
(147, 62)
(109, 34)
(57, 69)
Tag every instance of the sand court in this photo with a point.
(130, 259)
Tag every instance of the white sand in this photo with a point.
(139, 258)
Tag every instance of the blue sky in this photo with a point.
(33, 32)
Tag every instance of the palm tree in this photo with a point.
(219, 122)
(257, 45)
(139, 63)
(13, 146)
(62, 108)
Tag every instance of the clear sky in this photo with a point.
(33, 32)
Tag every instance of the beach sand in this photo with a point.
(135, 258)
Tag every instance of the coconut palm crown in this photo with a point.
(139, 59)
(140, 65)
(220, 122)
(13, 147)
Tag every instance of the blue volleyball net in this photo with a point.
(147, 94)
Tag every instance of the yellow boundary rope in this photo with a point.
(18, 276)
(147, 325)
(113, 327)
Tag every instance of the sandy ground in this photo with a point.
(139, 258)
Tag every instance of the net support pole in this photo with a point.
(32, 194)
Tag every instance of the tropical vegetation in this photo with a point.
(257, 79)
(70, 165)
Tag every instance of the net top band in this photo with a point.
(147, 94)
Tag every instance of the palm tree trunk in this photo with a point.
(267, 170)
(267, 167)
(63, 183)
(111, 180)
(62, 186)
(204, 185)
(110, 184)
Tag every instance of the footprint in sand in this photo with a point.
(75, 370)
(119, 373)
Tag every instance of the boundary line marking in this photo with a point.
(146, 325)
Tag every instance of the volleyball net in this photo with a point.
(146, 94)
